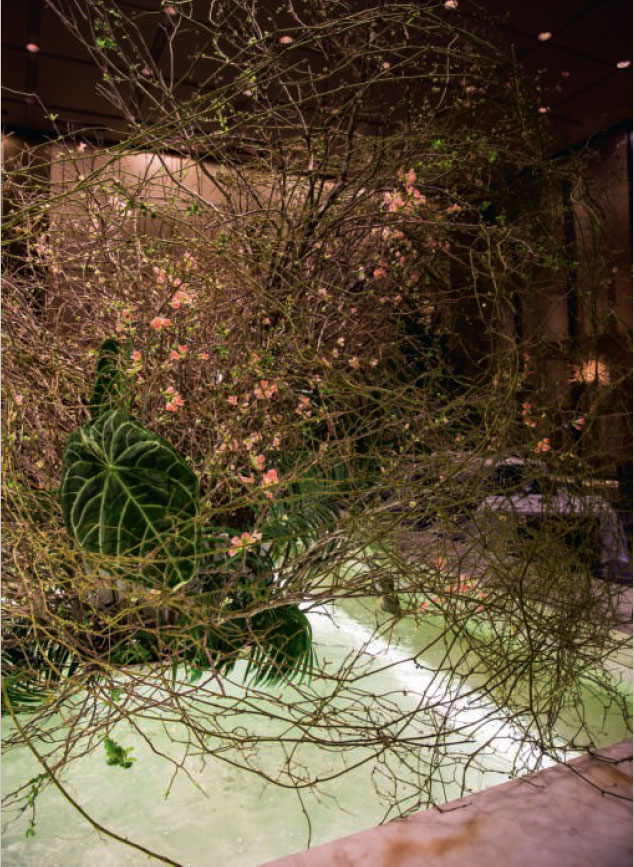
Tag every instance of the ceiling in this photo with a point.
(588, 91)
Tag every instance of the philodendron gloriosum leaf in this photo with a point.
(128, 495)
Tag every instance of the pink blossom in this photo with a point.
(135, 356)
(204, 356)
(175, 402)
(19, 399)
(543, 445)
(270, 478)
(578, 423)
(246, 480)
(545, 36)
(264, 390)
(180, 297)
(259, 460)
(286, 40)
(410, 177)
(354, 362)
(160, 322)
(379, 272)
(160, 274)
(238, 543)
(233, 400)
(174, 355)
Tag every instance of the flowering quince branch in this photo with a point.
(240, 543)
(310, 252)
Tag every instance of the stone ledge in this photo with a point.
(575, 814)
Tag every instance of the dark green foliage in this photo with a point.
(281, 645)
(307, 515)
(127, 494)
(108, 388)
(31, 670)
(117, 755)
(21, 691)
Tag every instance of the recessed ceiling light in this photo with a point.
(545, 36)
(32, 47)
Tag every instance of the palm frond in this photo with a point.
(282, 646)
(308, 514)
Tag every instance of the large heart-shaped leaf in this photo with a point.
(128, 495)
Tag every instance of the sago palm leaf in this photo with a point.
(282, 645)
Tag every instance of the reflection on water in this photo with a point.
(242, 821)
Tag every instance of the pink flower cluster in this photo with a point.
(240, 543)
(412, 197)
(182, 296)
(264, 391)
(269, 478)
(526, 408)
(160, 322)
(175, 401)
